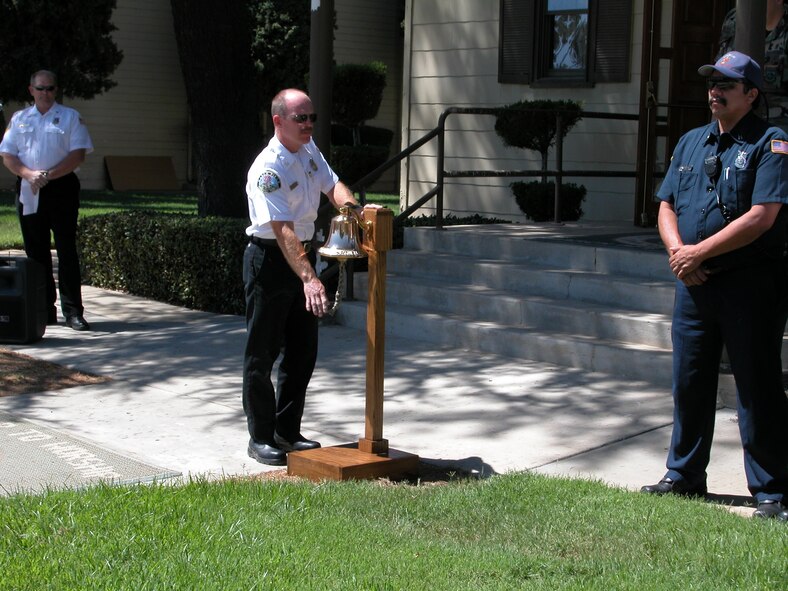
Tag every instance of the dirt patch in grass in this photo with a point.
(21, 374)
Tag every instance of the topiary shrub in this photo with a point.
(356, 149)
(179, 259)
(531, 125)
(352, 163)
(537, 200)
(357, 92)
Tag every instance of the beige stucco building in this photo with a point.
(640, 59)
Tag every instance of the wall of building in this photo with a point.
(146, 113)
(451, 59)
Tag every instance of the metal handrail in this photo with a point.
(439, 132)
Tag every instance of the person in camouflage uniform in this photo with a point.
(775, 76)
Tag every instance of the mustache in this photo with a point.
(720, 99)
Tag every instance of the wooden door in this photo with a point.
(695, 28)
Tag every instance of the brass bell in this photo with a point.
(343, 237)
(343, 243)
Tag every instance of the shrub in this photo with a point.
(179, 259)
(351, 163)
(357, 92)
(532, 125)
(342, 135)
(537, 200)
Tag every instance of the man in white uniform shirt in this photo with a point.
(43, 145)
(284, 296)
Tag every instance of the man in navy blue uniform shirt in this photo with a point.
(723, 222)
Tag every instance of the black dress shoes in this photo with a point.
(668, 486)
(266, 453)
(77, 323)
(771, 509)
(300, 443)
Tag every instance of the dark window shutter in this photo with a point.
(613, 41)
(515, 57)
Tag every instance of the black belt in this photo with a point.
(264, 242)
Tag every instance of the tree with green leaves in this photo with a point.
(72, 39)
(281, 44)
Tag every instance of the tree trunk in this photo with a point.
(544, 155)
(214, 41)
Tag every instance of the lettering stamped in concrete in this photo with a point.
(34, 458)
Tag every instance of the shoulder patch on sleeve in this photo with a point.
(780, 147)
(269, 181)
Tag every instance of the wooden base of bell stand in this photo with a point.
(347, 462)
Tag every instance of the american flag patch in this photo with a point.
(779, 147)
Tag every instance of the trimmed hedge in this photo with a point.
(182, 259)
(179, 259)
(448, 220)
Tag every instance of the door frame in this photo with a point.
(651, 125)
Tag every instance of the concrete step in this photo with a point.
(579, 352)
(651, 295)
(485, 304)
(502, 243)
(532, 294)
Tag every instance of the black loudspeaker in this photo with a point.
(23, 306)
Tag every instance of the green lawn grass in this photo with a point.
(98, 202)
(514, 531)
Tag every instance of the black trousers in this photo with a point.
(277, 322)
(58, 209)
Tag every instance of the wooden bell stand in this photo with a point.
(371, 457)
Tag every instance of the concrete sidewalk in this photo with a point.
(174, 401)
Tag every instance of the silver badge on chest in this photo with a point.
(741, 159)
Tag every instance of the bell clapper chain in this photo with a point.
(340, 287)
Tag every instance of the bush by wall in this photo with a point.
(352, 163)
(179, 259)
(537, 200)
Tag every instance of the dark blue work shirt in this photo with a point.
(752, 169)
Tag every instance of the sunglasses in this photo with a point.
(721, 83)
(47, 88)
(302, 118)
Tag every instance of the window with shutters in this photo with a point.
(563, 42)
